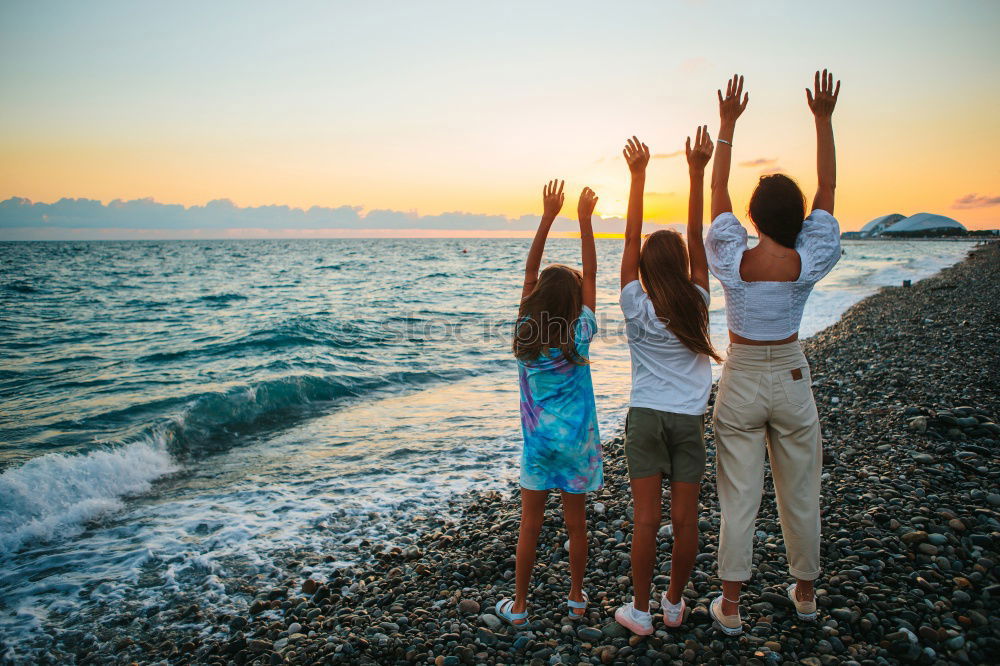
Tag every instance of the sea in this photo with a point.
(181, 420)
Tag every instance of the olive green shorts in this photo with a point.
(665, 443)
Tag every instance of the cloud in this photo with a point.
(760, 161)
(22, 217)
(667, 156)
(976, 201)
(149, 214)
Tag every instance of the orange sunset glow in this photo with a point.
(447, 108)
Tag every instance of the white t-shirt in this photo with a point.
(666, 375)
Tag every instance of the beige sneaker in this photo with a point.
(730, 625)
(806, 610)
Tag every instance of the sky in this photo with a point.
(452, 115)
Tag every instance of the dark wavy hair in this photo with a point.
(664, 272)
(778, 208)
(547, 316)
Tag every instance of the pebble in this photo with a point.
(910, 534)
(614, 630)
(491, 621)
(521, 642)
(485, 636)
(468, 606)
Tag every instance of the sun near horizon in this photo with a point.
(450, 109)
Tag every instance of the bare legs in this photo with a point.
(646, 499)
(684, 517)
(646, 496)
(575, 517)
(804, 589)
(731, 596)
(532, 514)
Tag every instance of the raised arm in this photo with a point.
(584, 211)
(552, 201)
(822, 105)
(637, 157)
(730, 108)
(697, 157)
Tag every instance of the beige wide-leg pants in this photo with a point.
(765, 398)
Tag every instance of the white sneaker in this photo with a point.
(672, 615)
(636, 621)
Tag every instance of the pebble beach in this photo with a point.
(908, 389)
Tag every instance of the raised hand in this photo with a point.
(822, 101)
(697, 157)
(699, 154)
(825, 97)
(730, 106)
(636, 155)
(552, 198)
(588, 199)
(585, 208)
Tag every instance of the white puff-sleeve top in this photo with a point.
(770, 310)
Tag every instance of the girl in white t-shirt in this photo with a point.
(666, 316)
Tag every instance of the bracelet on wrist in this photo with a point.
(728, 143)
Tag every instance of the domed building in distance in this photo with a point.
(921, 225)
(879, 224)
(926, 224)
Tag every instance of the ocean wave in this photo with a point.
(224, 297)
(53, 496)
(21, 287)
(302, 331)
(211, 422)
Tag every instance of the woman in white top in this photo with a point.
(666, 318)
(765, 397)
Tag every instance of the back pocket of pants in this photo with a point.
(738, 388)
(797, 385)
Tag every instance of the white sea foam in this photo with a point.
(55, 494)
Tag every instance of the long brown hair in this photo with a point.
(548, 315)
(663, 269)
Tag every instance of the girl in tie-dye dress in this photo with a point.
(562, 445)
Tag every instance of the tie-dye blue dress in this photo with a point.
(562, 445)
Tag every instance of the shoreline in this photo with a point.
(431, 603)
